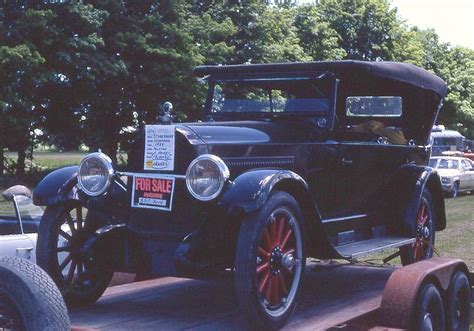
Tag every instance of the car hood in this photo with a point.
(249, 132)
(448, 172)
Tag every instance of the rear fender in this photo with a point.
(58, 186)
(249, 192)
(402, 196)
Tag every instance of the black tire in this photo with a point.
(273, 243)
(458, 303)
(59, 240)
(29, 299)
(429, 310)
(454, 190)
(425, 234)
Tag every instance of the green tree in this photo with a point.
(365, 27)
(317, 38)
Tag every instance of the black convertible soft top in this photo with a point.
(403, 72)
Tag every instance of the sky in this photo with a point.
(453, 20)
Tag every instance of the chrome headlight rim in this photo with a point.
(223, 171)
(106, 162)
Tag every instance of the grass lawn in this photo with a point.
(53, 160)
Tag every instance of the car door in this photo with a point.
(467, 180)
(19, 245)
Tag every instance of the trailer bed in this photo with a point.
(332, 295)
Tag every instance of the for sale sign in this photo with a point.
(153, 191)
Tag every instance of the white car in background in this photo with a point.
(456, 173)
(18, 233)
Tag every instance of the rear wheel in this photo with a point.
(458, 303)
(80, 275)
(270, 262)
(429, 310)
(423, 246)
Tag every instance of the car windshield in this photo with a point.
(433, 163)
(448, 164)
(272, 95)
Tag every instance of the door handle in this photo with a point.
(347, 162)
(24, 249)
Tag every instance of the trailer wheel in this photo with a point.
(429, 310)
(423, 247)
(81, 277)
(270, 262)
(29, 300)
(458, 303)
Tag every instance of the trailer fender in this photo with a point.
(400, 293)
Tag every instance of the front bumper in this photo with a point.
(447, 187)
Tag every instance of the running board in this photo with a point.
(361, 248)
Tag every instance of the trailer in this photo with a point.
(336, 296)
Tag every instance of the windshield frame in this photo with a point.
(213, 80)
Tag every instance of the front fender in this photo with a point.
(402, 196)
(249, 192)
(56, 187)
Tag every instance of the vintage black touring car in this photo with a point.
(296, 160)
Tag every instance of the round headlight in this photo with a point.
(206, 177)
(95, 174)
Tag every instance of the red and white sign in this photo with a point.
(153, 192)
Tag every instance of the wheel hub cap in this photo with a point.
(288, 261)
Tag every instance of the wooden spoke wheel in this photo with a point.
(270, 262)
(423, 246)
(78, 271)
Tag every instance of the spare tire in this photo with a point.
(29, 299)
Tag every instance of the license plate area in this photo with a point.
(153, 191)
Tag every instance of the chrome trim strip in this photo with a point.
(131, 174)
(338, 219)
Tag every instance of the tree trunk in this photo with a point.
(2, 161)
(20, 165)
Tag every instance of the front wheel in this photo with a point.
(270, 262)
(80, 276)
(454, 191)
(423, 246)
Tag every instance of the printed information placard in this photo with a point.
(159, 147)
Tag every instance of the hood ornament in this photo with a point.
(166, 117)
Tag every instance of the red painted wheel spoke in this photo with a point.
(263, 268)
(268, 290)
(288, 273)
(275, 291)
(266, 239)
(421, 212)
(289, 251)
(273, 234)
(424, 220)
(288, 234)
(282, 285)
(281, 228)
(264, 283)
(263, 253)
